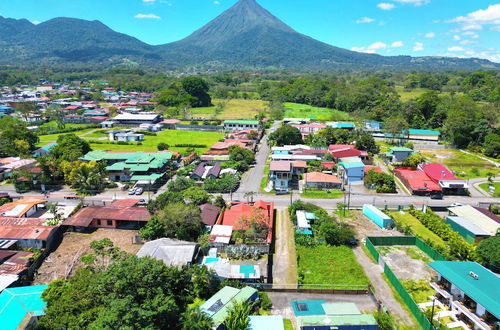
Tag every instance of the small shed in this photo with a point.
(378, 217)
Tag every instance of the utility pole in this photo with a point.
(432, 313)
(349, 197)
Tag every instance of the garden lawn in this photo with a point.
(485, 187)
(170, 137)
(53, 124)
(417, 227)
(322, 194)
(465, 165)
(329, 265)
(288, 324)
(51, 138)
(295, 110)
(235, 109)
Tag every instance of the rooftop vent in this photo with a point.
(474, 275)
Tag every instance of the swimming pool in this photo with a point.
(209, 260)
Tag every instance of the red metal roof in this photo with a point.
(14, 262)
(24, 228)
(328, 165)
(438, 172)
(84, 217)
(321, 178)
(280, 166)
(374, 168)
(416, 180)
(125, 202)
(340, 146)
(241, 210)
(344, 153)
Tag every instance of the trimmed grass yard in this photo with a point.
(333, 265)
(170, 137)
(485, 187)
(288, 324)
(46, 139)
(405, 219)
(465, 165)
(295, 110)
(322, 194)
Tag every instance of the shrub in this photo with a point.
(189, 145)
(227, 183)
(163, 146)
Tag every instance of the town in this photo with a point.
(295, 222)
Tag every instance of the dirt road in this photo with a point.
(285, 258)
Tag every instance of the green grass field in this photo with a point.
(295, 110)
(46, 139)
(53, 124)
(418, 228)
(170, 137)
(485, 187)
(329, 265)
(465, 166)
(322, 194)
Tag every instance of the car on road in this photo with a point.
(125, 187)
(436, 196)
(282, 191)
(456, 204)
(142, 202)
(139, 191)
(132, 191)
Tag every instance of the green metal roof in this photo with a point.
(401, 149)
(337, 320)
(352, 165)
(218, 306)
(242, 122)
(423, 131)
(151, 177)
(341, 309)
(485, 290)
(133, 157)
(15, 303)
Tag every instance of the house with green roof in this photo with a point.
(351, 170)
(399, 154)
(142, 167)
(219, 305)
(20, 307)
(470, 290)
(237, 125)
(422, 134)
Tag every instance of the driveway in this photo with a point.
(284, 258)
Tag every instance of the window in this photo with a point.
(98, 222)
(109, 222)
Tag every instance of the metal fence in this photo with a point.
(314, 288)
(372, 242)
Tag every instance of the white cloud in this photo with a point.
(149, 1)
(457, 37)
(471, 34)
(377, 46)
(430, 35)
(216, 2)
(467, 42)
(147, 16)
(418, 47)
(495, 28)
(478, 18)
(456, 49)
(414, 2)
(36, 22)
(365, 20)
(386, 6)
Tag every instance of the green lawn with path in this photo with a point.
(406, 219)
(322, 194)
(51, 138)
(295, 110)
(486, 188)
(335, 265)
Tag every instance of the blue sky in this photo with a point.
(463, 28)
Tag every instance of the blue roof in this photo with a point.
(265, 322)
(485, 290)
(423, 131)
(308, 307)
(352, 165)
(15, 303)
(340, 125)
(48, 146)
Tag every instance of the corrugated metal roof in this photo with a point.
(476, 218)
(485, 290)
(84, 217)
(24, 228)
(469, 226)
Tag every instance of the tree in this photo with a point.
(164, 199)
(181, 221)
(491, 145)
(163, 146)
(197, 88)
(253, 135)
(489, 251)
(241, 157)
(286, 135)
(195, 319)
(276, 109)
(26, 109)
(70, 148)
(336, 234)
(238, 317)
(180, 184)
(462, 117)
(395, 127)
(413, 160)
(196, 196)
(341, 208)
(367, 142)
(87, 178)
(220, 202)
(152, 230)
(57, 114)
(12, 130)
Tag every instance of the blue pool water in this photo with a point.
(209, 260)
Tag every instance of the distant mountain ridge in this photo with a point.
(246, 36)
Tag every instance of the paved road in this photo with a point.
(285, 257)
(382, 289)
(250, 182)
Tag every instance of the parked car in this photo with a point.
(456, 204)
(142, 202)
(139, 191)
(132, 191)
(437, 196)
(125, 187)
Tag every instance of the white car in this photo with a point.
(139, 191)
(132, 191)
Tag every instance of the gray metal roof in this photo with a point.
(172, 252)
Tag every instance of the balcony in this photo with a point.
(471, 316)
(445, 294)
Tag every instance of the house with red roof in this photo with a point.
(241, 215)
(445, 178)
(417, 181)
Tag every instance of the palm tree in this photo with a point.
(195, 319)
(238, 317)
